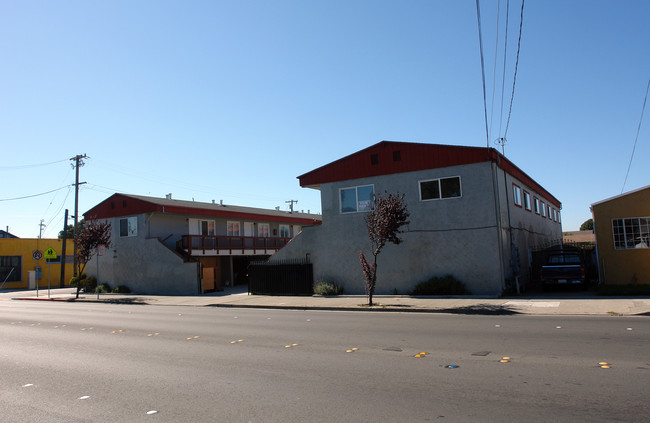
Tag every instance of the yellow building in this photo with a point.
(622, 227)
(17, 263)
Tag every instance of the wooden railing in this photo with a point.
(223, 244)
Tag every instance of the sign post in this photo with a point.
(50, 254)
(37, 255)
(101, 249)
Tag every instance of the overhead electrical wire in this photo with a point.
(480, 41)
(505, 56)
(638, 129)
(30, 166)
(514, 79)
(494, 71)
(31, 196)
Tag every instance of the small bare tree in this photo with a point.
(384, 222)
(93, 234)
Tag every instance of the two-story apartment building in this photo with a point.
(474, 215)
(166, 246)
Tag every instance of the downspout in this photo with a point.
(513, 256)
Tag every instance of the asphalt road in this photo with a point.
(69, 362)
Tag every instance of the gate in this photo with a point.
(289, 277)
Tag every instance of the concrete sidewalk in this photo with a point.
(549, 305)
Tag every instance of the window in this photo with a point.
(11, 266)
(435, 189)
(559, 219)
(517, 194)
(284, 231)
(233, 229)
(543, 209)
(129, 226)
(357, 199)
(536, 203)
(374, 159)
(263, 230)
(527, 200)
(631, 233)
(207, 227)
(554, 216)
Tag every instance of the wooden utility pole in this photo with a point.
(78, 161)
(290, 202)
(65, 237)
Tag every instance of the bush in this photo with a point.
(327, 288)
(74, 281)
(122, 289)
(103, 288)
(89, 284)
(447, 285)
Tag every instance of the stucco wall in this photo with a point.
(23, 248)
(621, 266)
(144, 265)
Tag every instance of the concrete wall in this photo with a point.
(457, 236)
(144, 265)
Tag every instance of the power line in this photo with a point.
(480, 41)
(494, 71)
(30, 166)
(505, 55)
(638, 129)
(514, 79)
(30, 196)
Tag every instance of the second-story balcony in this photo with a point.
(210, 245)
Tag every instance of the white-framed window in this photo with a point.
(527, 204)
(554, 215)
(233, 229)
(129, 226)
(631, 233)
(536, 204)
(357, 199)
(559, 219)
(442, 188)
(284, 231)
(543, 209)
(516, 191)
(263, 230)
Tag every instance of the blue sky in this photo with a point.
(233, 100)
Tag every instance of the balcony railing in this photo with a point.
(208, 244)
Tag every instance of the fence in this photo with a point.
(290, 277)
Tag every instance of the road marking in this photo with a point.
(151, 412)
(422, 354)
(84, 397)
(28, 385)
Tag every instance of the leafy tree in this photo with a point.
(383, 222)
(93, 234)
(69, 229)
(587, 225)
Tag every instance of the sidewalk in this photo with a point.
(388, 303)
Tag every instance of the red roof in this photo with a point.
(390, 157)
(119, 205)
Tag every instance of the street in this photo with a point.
(68, 362)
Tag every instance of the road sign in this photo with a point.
(50, 253)
(37, 255)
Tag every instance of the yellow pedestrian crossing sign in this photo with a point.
(50, 253)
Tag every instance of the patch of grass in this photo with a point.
(327, 288)
(446, 285)
(623, 290)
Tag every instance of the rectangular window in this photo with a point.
(129, 226)
(543, 209)
(527, 204)
(357, 199)
(631, 233)
(554, 215)
(284, 231)
(559, 219)
(516, 191)
(436, 189)
(11, 266)
(263, 230)
(536, 203)
(233, 229)
(207, 227)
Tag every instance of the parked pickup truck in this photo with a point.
(563, 268)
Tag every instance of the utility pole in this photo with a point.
(291, 204)
(78, 161)
(65, 237)
(40, 229)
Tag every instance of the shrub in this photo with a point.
(88, 284)
(122, 289)
(103, 288)
(327, 288)
(74, 281)
(446, 285)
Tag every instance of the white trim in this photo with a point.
(460, 186)
(620, 195)
(356, 198)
